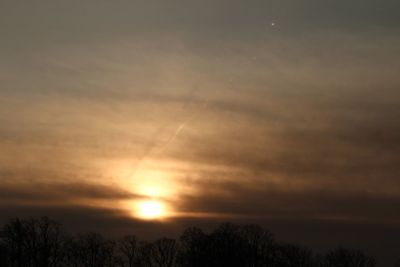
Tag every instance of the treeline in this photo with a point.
(43, 243)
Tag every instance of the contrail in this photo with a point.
(181, 127)
(152, 146)
(172, 138)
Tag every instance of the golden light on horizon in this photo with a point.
(152, 185)
(150, 209)
(155, 187)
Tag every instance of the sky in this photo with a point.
(151, 116)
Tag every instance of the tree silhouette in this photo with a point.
(13, 239)
(226, 245)
(90, 250)
(145, 255)
(290, 255)
(164, 252)
(342, 257)
(42, 243)
(32, 242)
(258, 246)
(193, 248)
(128, 249)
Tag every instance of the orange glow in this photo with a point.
(150, 209)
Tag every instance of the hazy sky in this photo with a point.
(283, 113)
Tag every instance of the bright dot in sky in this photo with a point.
(272, 24)
(151, 209)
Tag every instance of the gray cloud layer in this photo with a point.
(290, 125)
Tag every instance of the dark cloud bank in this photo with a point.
(299, 133)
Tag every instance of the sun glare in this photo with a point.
(151, 209)
(156, 190)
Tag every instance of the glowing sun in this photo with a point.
(151, 209)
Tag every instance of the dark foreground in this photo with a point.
(43, 243)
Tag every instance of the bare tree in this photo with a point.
(342, 257)
(128, 248)
(226, 246)
(4, 252)
(290, 255)
(259, 246)
(164, 252)
(14, 238)
(193, 248)
(33, 242)
(145, 255)
(91, 250)
(42, 243)
(50, 242)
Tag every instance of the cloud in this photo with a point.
(55, 192)
(77, 218)
(264, 201)
(301, 125)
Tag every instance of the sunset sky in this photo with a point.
(149, 116)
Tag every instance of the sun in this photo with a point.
(156, 191)
(150, 209)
